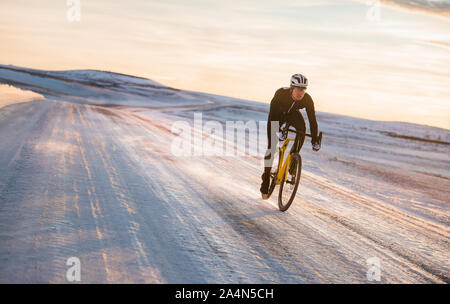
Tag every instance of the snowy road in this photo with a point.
(100, 183)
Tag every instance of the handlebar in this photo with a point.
(299, 132)
(287, 129)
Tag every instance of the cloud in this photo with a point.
(436, 7)
(442, 44)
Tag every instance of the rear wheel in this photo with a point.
(289, 183)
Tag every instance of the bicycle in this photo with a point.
(288, 171)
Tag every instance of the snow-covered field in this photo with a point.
(86, 170)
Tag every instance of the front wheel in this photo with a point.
(289, 183)
(273, 180)
(273, 177)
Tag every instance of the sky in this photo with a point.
(381, 60)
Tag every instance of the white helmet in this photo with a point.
(298, 80)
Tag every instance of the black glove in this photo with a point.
(316, 146)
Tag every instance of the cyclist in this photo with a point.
(284, 108)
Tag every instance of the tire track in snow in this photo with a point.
(430, 231)
(142, 215)
(122, 194)
(414, 262)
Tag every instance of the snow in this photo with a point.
(87, 171)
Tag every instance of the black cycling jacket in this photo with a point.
(282, 102)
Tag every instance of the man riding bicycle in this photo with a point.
(284, 108)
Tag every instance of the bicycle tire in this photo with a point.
(273, 180)
(285, 206)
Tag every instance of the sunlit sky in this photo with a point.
(395, 67)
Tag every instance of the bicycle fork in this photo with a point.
(283, 166)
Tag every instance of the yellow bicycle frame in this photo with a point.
(283, 166)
